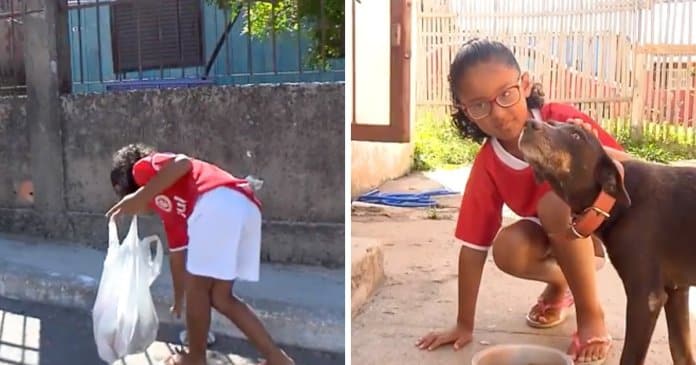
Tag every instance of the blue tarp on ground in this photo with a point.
(423, 199)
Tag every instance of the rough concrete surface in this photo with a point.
(306, 243)
(281, 133)
(367, 270)
(285, 134)
(420, 293)
(372, 163)
(34, 334)
(300, 305)
(14, 148)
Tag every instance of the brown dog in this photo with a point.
(645, 213)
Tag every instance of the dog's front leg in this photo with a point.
(677, 313)
(642, 310)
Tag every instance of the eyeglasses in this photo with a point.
(507, 98)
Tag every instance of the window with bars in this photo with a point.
(11, 44)
(154, 34)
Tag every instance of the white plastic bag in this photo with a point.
(124, 317)
(254, 182)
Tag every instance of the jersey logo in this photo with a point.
(163, 202)
(180, 206)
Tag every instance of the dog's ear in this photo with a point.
(612, 182)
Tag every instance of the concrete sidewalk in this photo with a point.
(301, 306)
(420, 291)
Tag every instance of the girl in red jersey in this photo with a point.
(493, 99)
(213, 225)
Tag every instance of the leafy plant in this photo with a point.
(438, 145)
(322, 20)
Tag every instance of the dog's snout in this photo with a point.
(533, 125)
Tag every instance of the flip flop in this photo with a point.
(183, 338)
(564, 305)
(577, 347)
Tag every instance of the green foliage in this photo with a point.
(437, 145)
(324, 21)
(660, 142)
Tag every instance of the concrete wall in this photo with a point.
(290, 135)
(14, 150)
(373, 163)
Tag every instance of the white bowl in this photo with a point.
(521, 354)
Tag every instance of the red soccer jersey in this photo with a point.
(498, 177)
(175, 204)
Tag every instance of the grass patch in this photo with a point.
(438, 146)
(660, 142)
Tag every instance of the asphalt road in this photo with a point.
(39, 334)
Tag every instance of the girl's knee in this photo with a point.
(223, 295)
(517, 245)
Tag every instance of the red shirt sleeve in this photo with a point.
(177, 235)
(563, 112)
(147, 167)
(144, 170)
(480, 213)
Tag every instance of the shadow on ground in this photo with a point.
(39, 334)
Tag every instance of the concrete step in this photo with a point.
(301, 306)
(367, 270)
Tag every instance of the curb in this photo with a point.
(367, 271)
(318, 330)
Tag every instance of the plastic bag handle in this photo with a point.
(155, 263)
(113, 234)
(134, 230)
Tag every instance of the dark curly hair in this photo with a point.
(122, 167)
(475, 51)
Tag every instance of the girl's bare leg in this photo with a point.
(246, 320)
(522, 250)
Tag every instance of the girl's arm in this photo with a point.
(471, 263)
(136, 203)
(470, 270)
(177, 266)
(166, 177)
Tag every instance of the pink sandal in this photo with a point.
(577, 347)
(564, 305)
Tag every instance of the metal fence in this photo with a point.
(12, 76)
(160, 43)
(132, 44)
(621, 61)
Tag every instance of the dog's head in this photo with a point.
(573, 161)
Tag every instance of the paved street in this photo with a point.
(420, 291)
(32, 333)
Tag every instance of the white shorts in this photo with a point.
(224, 232)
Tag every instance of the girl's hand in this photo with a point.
(175, 310)
(131, 204)
(585, 125)
(458, 335)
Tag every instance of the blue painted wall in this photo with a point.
(92, 65)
